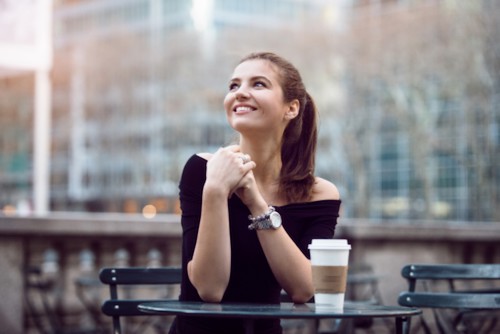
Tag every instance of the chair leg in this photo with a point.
(402, 325)
(425, 325)
(116, 325)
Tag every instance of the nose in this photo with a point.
(241, 93)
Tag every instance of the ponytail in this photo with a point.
(298, 154)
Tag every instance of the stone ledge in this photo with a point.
(83, 224)
(168, 225)
(365, 229)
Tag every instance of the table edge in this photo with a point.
(405, 312)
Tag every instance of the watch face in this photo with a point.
(275, 218)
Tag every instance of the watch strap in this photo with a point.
(261, 222)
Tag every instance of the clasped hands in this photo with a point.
(231, 170)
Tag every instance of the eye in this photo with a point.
(260, 84)
(233, 86)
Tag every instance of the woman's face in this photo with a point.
(255, 98)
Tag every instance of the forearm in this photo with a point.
(289, 265)
(209, 269)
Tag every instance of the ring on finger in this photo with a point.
(245, 158)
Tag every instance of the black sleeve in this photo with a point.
(322, 226)
(312, 220)
(190, 195)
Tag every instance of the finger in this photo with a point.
(233, 148)
(245, 158)
(245, 168)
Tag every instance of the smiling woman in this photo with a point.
(255, 92)
(250, 210)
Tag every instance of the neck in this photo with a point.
(267, 156)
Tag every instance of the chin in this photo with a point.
(242, 127)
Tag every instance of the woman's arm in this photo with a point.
(289, 265)
(210, 267)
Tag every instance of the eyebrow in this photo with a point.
(258, 77)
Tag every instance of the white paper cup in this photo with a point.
(329, 259)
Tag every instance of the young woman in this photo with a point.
(250, 210)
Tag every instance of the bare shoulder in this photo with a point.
(324, 190)
(205, 155)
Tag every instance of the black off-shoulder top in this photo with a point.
(251, 277)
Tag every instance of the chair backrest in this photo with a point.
(454, 300)
(460, 300)
(116, 307)
(414, 272)
(451, 273)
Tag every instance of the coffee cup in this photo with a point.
(329, 260)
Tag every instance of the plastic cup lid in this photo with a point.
(329, 244)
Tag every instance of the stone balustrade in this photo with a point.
(66, 246)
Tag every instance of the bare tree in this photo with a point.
(407, 65)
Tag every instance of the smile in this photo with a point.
(243, 109)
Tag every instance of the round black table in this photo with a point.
(250, 312)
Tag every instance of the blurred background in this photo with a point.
(103, 101)
(408, 93)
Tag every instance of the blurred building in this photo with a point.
(128, 106)
(138, 87)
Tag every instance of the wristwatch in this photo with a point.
(269, 220)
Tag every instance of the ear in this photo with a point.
(293, 109)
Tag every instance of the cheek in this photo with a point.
(228, 101)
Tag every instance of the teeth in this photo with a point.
(244, 109)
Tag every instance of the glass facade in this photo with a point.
(16, 141)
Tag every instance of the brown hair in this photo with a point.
(298, 146)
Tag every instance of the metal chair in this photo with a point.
(117, 307)
(472, 309)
